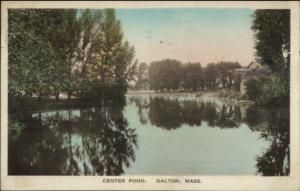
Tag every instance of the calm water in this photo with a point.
(151, 135)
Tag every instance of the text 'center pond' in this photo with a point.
(151, 135)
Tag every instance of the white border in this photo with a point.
(291, 182)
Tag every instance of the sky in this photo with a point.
(190, 34)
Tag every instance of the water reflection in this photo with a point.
(272, 123)
(94, 141)
(273, 127)
(100, 141)
(169, 113)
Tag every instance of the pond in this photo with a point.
(151, 135)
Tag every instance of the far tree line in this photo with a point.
(271, 29)
(172, 75)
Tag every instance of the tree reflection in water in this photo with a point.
(99, 141)
(169, 113)
(94, 141)
(272, 123)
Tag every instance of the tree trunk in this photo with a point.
(40, 97)
(57, 96)
(69, 95)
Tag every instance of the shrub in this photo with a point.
(274, 91)
(269, 90)
(254, 87)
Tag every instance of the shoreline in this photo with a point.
(218, 93)
(198, 93)
(63, 102)
(227, 94)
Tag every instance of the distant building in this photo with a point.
(243, 74)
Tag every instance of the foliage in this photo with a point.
(225, 71)
(142, 76)
(267, 90)
(106, 58)
(173, 75)
(254, 88)
(15, 130)
(165, 74)
(58, 51)
(211, 75)
(192, 76)
(272, 32)
(273, 92)
(40, 43)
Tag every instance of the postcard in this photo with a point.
(150, 95)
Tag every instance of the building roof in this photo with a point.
(254, 65)
(242, 69)
(253, 69)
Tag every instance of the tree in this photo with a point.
(117, 54)
(109, 58)
(19, 38)
(272, 33)
(165, 74)
(254, 88)
(90, 45)
(154, 77)
(192, 76)
(211, 74)
(41, 43)
(27, 66)
(124, 68)
(231, 78)
(225, 70)
(142, 76)
(64, 41)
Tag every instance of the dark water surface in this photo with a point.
(151, 135)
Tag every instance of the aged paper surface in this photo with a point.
(148, 175)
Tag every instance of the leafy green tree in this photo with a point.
(225, 70)
(23, 70)
(71, 39)
(106, 58)
(211, 75)
(192, 76)
(86, 59)
(154, 80)
(18, 42)
(124, 66)
(58, 51)
(254, 88)
(142, 76)
(272, 32)
(40, 45)
(63, 35)
(165, 74)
